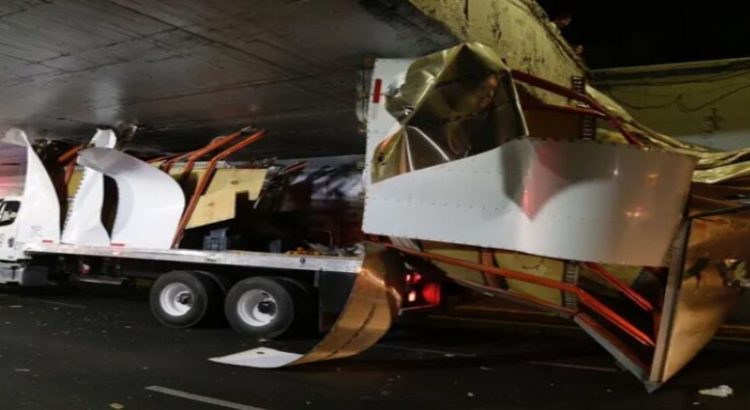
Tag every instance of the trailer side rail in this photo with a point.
(227, 258)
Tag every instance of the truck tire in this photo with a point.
(184, 299)
(260, 307)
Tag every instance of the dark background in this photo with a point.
(638, 32)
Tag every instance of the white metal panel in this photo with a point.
(577, 200)
(84, 223)
(150, 202)
(38, 218)
(261, 357)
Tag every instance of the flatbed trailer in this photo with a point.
(290, 286)
(260, 294)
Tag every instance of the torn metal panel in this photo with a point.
(218, 203)
(576, 200)
(36, 213)
(150, 202)
(459, 102)
(518, 30)
(374, 301)
(84, 222)
(703, 301)
(718, 237)
(702, 286)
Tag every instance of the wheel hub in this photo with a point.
(257, 308)
(176, 299)
(267, 307)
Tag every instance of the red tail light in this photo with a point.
(431, 294)
(413, 278)
(419, 292)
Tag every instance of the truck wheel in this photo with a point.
(260, 307)
(183, 299)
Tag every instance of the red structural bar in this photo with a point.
(214, 145)
(585, 298)
(206, 178)
(193, 156)
(70, 154)
(567, 92)
(621, 286)
(68, 159)
(291, 168)
(519, 298)
(162, 158)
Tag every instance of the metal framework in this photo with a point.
(583, 296)
(205, 179)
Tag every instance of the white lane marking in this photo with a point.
(576, 366)
(432, 351)
(201, 399)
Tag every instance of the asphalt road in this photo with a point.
(97, 350)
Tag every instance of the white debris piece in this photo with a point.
(722, 391)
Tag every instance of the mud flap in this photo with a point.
(374, 301)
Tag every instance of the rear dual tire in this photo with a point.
(261, 307)
(185, 299)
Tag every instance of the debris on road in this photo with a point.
(722, 391)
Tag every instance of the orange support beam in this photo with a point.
(206, 178)
(567, 92)
(585, 298)
(621, 286)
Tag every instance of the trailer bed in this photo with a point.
(226, 258)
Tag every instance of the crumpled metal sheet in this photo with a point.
(38, 218)
(442, 176)
(84, 223)
(701, 302)
(150, 202)
(462, 101)
(712, 167)
(373, 303)
(718, 237)
(701, 289)
(452, 104)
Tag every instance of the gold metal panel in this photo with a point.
(718, 237)
(535, 265)
(454, 103)
(702, 305)
(466, 253)
(374, 301)
(211, 208)
(218, 203)
(713, 166)
(238, 180)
